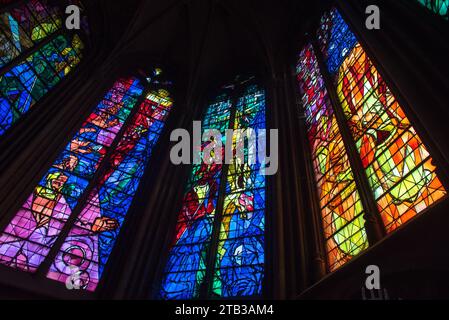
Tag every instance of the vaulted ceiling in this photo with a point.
(205, 42)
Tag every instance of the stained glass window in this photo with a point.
(399, 168)
(398, 165)
(342, 210)
(236, 243)
(94, 180)
(35, 55)
(440, 7)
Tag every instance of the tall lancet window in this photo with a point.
(399, 172)
(36, 53)
(218, 246)
(440, 7)
(341, 207)
(70, 222)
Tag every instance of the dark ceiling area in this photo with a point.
(204, 42)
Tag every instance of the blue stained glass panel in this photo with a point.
(185, 269)
(336, 40)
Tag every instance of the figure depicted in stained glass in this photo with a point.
(238, 208)
(199, 200)
(237, 201)
(47, 197)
